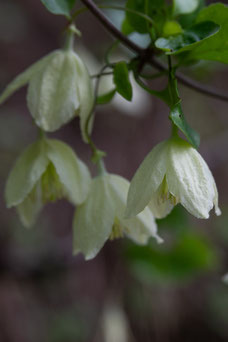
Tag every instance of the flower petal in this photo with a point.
(29, 209)
(73, 173)
(190, 180)
(53, 94)
(24, 77)
(160, 209)
(141, 227)
(146, 180)
(93, 220)
(217, 209)
(27, 171)
(119, 187)
(86, 95)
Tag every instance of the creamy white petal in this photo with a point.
(119, 187)
(29, 209)
(190, 180)
(146, 180)
(93, 220)
(217, 209)
(158, 208)
(23, 78)
(141, 227)
(53, 92)
(73, 173)
(86, 94)
(27, 171)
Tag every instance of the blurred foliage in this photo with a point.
(187, 254)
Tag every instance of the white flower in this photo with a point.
(173, 172)
(100, 217)
(59, 89)
(46, 171)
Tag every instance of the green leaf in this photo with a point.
(184, 6)
(106, 98)
(126, 27)
(59, 6)
(215, 48)
(179, 120)
(121, 80)
(152, 8)
(189, 39)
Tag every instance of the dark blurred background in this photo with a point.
(171, 292)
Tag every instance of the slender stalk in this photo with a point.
(96, 153)
(108, 73)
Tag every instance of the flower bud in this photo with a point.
(45, 172)
(101, 217)
(59, 89)
(173, 172)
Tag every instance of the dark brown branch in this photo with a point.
(147, 56)
(191, 83)
(111, 28)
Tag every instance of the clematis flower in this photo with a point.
(59, 88)
(101, 217)
(45, 172)
(173, 172)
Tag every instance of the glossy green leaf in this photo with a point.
(214, 48)
(152, 8)
(106, 98)
(59, 6)
(189, 39)
(121, 80)
(184, 6)
(179, 120)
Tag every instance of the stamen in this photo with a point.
(164, 194)
(117, 230)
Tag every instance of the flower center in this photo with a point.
(117, 230)
(52, 189)
(165, 195)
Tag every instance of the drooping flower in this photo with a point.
(59, 88)
(46, 171)
(173, 172)
(101, 217)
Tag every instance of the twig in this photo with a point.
(111, 28)
(147, 56)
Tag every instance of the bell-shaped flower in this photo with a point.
(173, 172)
(46, 171)
(59, 88)
(101, 217)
